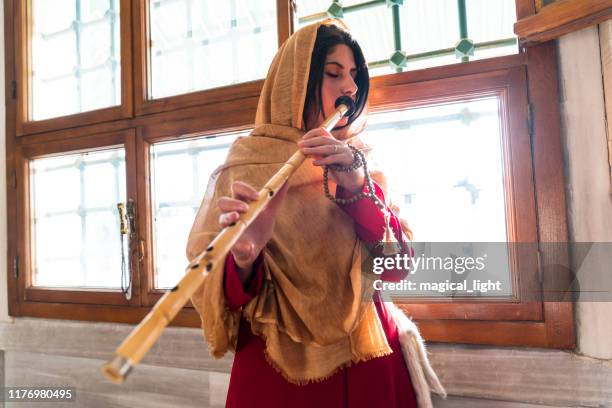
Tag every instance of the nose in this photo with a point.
(349, 87)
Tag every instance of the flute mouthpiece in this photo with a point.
(117, 369)
(345, 100)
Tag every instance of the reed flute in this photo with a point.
(142, 338)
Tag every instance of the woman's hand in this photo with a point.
(320, 145)
(257, 235)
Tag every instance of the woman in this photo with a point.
(292, 300)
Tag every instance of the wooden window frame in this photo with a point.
(525, 82)
(509, 86)
(23, 155)
(561, 17)
(522, 322)
(144, 105)
(21, 85)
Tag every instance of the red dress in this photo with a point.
(378, 382)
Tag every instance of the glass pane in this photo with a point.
(429, 25)
(449, 194)
(488, 21)
(377, 43)
(180, 173)
(75, 225)
(444, 165)
(308, 7)
(429, 30)
(95, 94)
(75, 57)
(203, 44)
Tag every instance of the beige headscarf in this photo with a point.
(314, 310)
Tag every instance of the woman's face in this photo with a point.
(338, 79)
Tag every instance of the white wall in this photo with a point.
(587, 171)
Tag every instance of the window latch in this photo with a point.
(16, 266)
(122, 224)
(131, 217)
(126, 230)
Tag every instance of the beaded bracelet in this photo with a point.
(358, 161)
(389, 243)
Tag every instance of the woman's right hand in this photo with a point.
(257, 235)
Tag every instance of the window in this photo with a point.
(192, 43)
(74, 209)
(75, 57)
(457, 193)
(136, 103)
(73, 66)
(398, 36)
(176, 204)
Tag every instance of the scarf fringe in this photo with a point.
(306, 381)
(424, 379)
(213, 350)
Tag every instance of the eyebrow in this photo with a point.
(340, 65)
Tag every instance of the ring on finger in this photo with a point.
(335, 148)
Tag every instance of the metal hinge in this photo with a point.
(16, 266)
(530, 119)
(540, 278)
(14, 89)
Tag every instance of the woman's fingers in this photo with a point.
(259, 231)
(228, 218)
(324, 150)
(318, 141)
(317, 132)
(232, 207)
(320, 147)
(227, 204)
(244, 191)
(327, 151)
(340, 159)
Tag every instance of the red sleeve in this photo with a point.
(237, 294)
(370, 226)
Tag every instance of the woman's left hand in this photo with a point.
(320, 145)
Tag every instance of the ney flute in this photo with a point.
(142, 338)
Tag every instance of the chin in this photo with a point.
(346, 132)
(342, 134)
